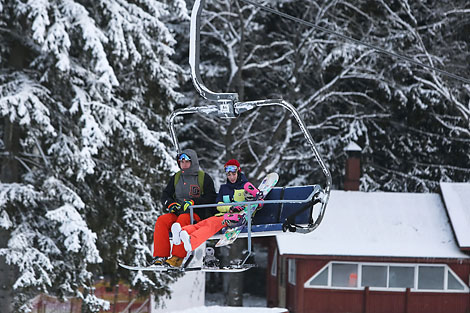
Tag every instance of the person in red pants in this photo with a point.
(192, 236)
(188, 186)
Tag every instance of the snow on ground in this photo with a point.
(214, 304)
(218, 299)
(187, 292)
(189, 297)
(224, 309)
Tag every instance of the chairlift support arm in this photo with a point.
(227, 106)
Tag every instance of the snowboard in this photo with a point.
(161, 268)
(259, 193)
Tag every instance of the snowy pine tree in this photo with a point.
(412, 122)
(85, 88)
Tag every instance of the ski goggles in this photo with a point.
(231, 168)
(184, 156)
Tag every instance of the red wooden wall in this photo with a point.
(315, 300)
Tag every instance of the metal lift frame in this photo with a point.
(227, 106)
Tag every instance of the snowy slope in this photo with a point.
(378, 224)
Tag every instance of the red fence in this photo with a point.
(120, 297)
(367, 301)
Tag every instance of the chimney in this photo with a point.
(353, 166)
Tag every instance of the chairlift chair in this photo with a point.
(285, 208)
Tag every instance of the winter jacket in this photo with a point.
(188, 188)
(228, 188)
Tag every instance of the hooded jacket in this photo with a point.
(188, 188)
(229, 188)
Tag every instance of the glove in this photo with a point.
(222, 209)
(180, 208)
(185, 206)
(174, 207)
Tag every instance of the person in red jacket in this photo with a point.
(192, 236)
(188, 186)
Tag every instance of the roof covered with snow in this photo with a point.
(353, 147)
(378, 224)
(457, 201)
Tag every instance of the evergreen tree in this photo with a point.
(85, 88)
(411, 122)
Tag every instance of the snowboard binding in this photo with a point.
(235, 217)
(210, 261)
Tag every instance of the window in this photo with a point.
(291, 271)
(374, 276)
(385, 276)
(321, 279)
(431, 277)
(344, 275)
(401, 277)
(453, 282)
(274, 264)
(282, 272)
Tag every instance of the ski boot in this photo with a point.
(174, 261)
(160, 261)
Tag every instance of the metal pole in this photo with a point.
(211, 109)
(194, 43)
(249, 234)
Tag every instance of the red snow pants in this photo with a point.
(203, 230)
(161, 235)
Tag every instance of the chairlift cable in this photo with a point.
(359, 42)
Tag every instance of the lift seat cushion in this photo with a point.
(271, 216)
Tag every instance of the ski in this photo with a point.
(161, 268)
(259, 193)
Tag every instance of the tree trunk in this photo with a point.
(236, 255)
(235, 283)
(9, 170)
